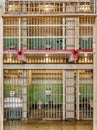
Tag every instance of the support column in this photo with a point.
(63, 94)
(1, 73)
(24, 33)
(69, 94)
(76, 33)
(95, 78)
(24, 46)
(63, 45)
(77, 94)
(19, 33)
(94, 6)
(70, 29)
(24, 28)
(24, 95)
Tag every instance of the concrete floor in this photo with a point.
(48, 125)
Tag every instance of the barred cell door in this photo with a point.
(85, 94)
(15, 94)
(78, 94)
(45, 95)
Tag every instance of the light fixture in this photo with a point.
(11, 8)
(85, 57)
(46, 57)
(9, 59)
(85, 54)
(47, 8)
(47, 54)
(85, 8)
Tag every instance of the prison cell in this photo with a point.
(86, 94)
(38, 97)
(16, 7)
(13, 103)
(45, 94)
(48, 94)
(48, 33)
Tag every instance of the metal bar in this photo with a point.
(1, 73)
(77, 95)
(63, 94)
(19, 34)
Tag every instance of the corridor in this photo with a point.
(48, 125)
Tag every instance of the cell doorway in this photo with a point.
(46, 94)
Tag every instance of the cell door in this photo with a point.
(86, 94)
(45, 95)
(15, 94)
